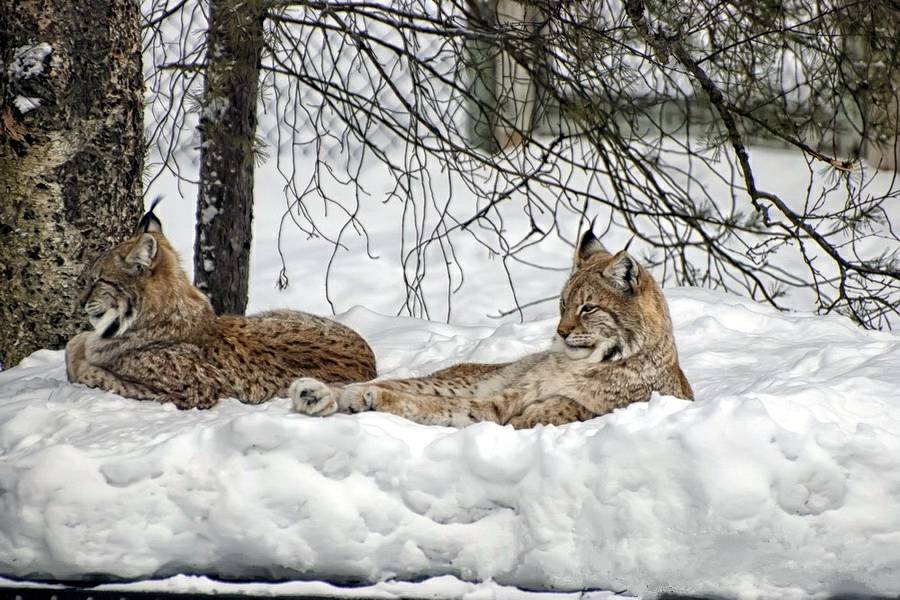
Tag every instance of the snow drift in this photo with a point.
(782, 478)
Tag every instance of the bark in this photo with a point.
(503, 95)
(882, 88)
(516, 92)
(228, 131)
(482, 66)
(70, 157)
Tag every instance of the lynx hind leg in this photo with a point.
(553, 411)
(312, 397)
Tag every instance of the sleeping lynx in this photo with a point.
(614, 346)
(156, 337)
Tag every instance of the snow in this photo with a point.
(208, 214)
(216, 109)
(435, 587)
(28, 61)
(781, 479)
(26, 104)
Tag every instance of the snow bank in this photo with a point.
(783, 478)
(438, 588)
(442, 587)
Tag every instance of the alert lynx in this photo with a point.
(614, 346)
(156, 336)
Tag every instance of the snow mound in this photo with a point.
(781, 479)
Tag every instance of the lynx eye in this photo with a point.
(562, 304)
(587, 309)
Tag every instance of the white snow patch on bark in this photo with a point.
(26, 104)
(208, 214)
(28, 61)
(216, 108)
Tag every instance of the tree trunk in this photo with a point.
(481, 63)
(71, 144)
(883, 88)
(228, 131)
(504, 97)
(516, 92)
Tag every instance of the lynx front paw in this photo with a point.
(312, 397)
(359, 398)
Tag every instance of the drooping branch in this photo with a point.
(627, 113)
(666, 44)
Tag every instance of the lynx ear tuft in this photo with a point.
(589, 246)
(144, 252)
(623, 272)
(150, 222)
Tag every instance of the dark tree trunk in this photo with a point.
(228, 130)
(71, 144)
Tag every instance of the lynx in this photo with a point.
(155, 336)
(614, 346)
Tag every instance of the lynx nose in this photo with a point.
(567, 324)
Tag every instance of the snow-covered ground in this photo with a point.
(781, 479)
(437, 588)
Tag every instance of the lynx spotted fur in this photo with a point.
(156, 336)
(614, 346)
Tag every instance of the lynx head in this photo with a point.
(610, 308)
(135, 281)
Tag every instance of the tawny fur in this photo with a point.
(614, 346)
(157, 338)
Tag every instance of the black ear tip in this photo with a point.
(588, 237)
(589, 244)
(150, 222)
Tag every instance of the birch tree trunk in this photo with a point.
(481, 61)
(71, 144)
(228, 131)
(503, 96)
(516, 92)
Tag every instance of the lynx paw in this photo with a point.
(312, 397)
(359, 398)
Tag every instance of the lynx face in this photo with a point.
(604, 305)
(114, 284)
